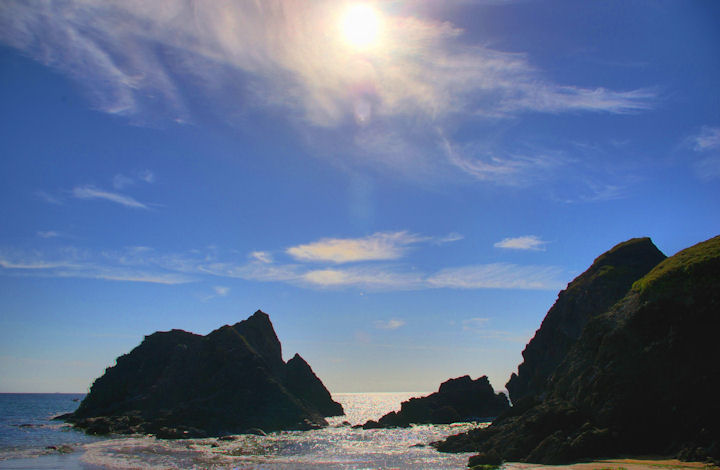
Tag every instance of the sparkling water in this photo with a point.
(26, 431)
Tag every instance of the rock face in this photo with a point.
(590, 294)
(643, 377)
(179, 384)
(460, 399)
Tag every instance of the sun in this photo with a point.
(361, 26)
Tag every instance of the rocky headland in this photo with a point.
(641, 378)
(460, 399)
(590, 294)
(233, 380)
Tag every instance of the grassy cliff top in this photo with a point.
(684, 261)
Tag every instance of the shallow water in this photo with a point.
(337, 446)
(26, 426)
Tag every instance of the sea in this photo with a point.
(30, 439)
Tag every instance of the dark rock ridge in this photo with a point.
(588, 295)
(179, 384)
(460, 399)
(642, 379)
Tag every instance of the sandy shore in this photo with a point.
(74, 462)
(620, 464)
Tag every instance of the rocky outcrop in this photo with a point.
(179, 384)
(590, 294)
(302, 382)
(642, 378)
(460, 399)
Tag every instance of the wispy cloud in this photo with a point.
(379, 246)
(218, 291)
(144, 264)
(121, 181)
(478, 326)
(449, 238)
(48, 234)
(136, 58)
(91, 192)
(498, 276)
(528, 242)
(370, 278)
(391, 324)
(485, 162)
(707, 144)
(474, 324)
(49, 198)
(707, 139)
(221, 291)
(127, 265)
(261, 256)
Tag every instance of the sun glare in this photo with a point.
(361, 26)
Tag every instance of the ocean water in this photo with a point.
(26, 430)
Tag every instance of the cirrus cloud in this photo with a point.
(150, 61)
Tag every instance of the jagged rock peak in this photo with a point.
(606, 281)
(179, 384)
(303, 383)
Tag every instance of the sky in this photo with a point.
(403, 186)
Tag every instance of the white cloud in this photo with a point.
(528, 242)
(450, 237)
(391, 324)
(379, 246)
(144, 264)
(146, 176)
(261, 256)
(91, 192)
(134, 59)
(707, 139)
(486, 161)
(707, 143)
(498, 276)
(371, 278)
(221, 291)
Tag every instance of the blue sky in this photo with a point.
(403, 186)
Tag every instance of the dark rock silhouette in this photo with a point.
(460, 399)
(178, 384)
(588, 295)
(302, 382)
(642, 378)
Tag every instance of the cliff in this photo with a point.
(642, 378)
(460, 399)
(179, 384)
(590, 294)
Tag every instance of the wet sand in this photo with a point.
(620, 464)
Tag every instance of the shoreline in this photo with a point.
(640, 463)
(73, 461)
